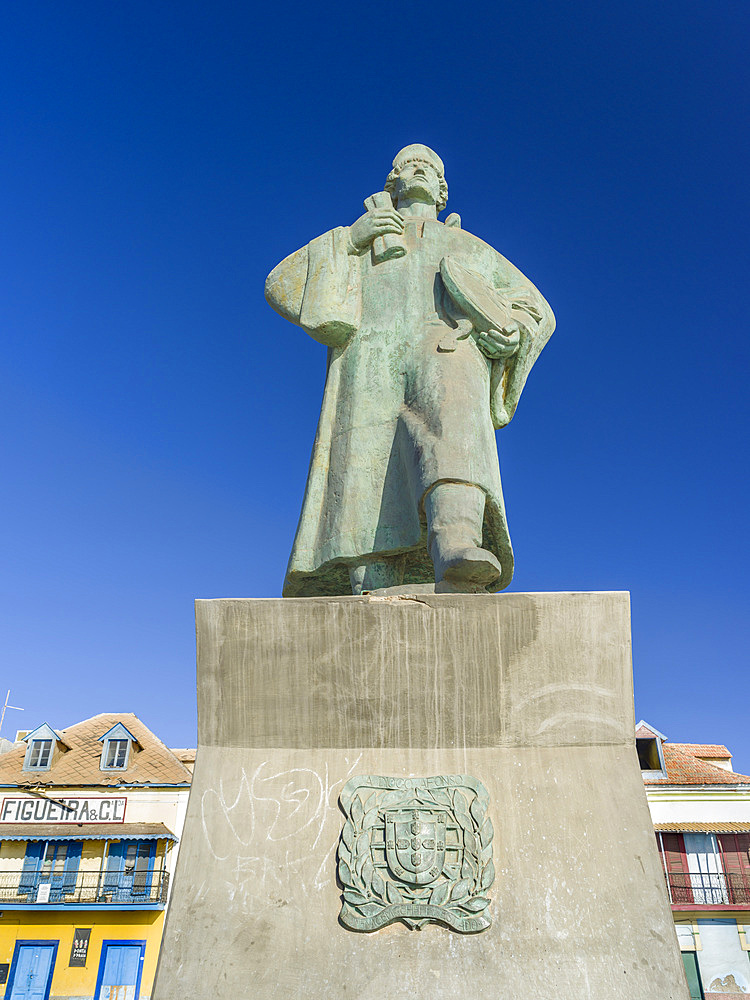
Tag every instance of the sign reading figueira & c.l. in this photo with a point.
(32, 809)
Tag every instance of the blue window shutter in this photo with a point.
(115, 860)
(143, 877)
(31, 865)
(72, 861)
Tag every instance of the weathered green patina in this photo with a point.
(431, 336)
(417, 850)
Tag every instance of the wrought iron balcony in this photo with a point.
(715, 889)
(84, 888)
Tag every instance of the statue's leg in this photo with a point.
(455, 512)
(377, 573)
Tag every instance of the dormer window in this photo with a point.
(648, 753)
(117, 743)
(43, 745)
(115, 754)
(648, 743)
(40, 754)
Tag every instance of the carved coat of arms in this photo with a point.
(417, 850)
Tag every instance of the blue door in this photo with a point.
(31, 971)
(130, 869)
(138, 866)
(50, 863)
(120, 970)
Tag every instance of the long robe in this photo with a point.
(410, 400)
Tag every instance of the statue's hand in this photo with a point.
(375, 222)
(498, 344)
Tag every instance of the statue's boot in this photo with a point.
(455, 512)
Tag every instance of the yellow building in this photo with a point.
(90, 818)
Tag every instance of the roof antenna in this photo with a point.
(6, 706)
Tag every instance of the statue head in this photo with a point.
(418, 173)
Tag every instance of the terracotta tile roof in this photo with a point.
(152, 764)
(717, 750)
(684, 768)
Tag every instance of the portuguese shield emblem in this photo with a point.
(417, 850)
(415, 845)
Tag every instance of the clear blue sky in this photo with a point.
(158, 159)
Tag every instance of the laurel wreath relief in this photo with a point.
(461, 892)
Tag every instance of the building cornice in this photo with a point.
(702, 792)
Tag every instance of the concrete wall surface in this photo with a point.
(529, 693)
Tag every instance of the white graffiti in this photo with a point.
(270, 829)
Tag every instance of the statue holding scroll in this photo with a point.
(430, 334)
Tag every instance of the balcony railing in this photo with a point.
(715, 889)
(115, 889)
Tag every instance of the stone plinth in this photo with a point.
(531, 694)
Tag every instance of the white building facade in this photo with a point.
(701, 813)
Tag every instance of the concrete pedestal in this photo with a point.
(531, 694)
